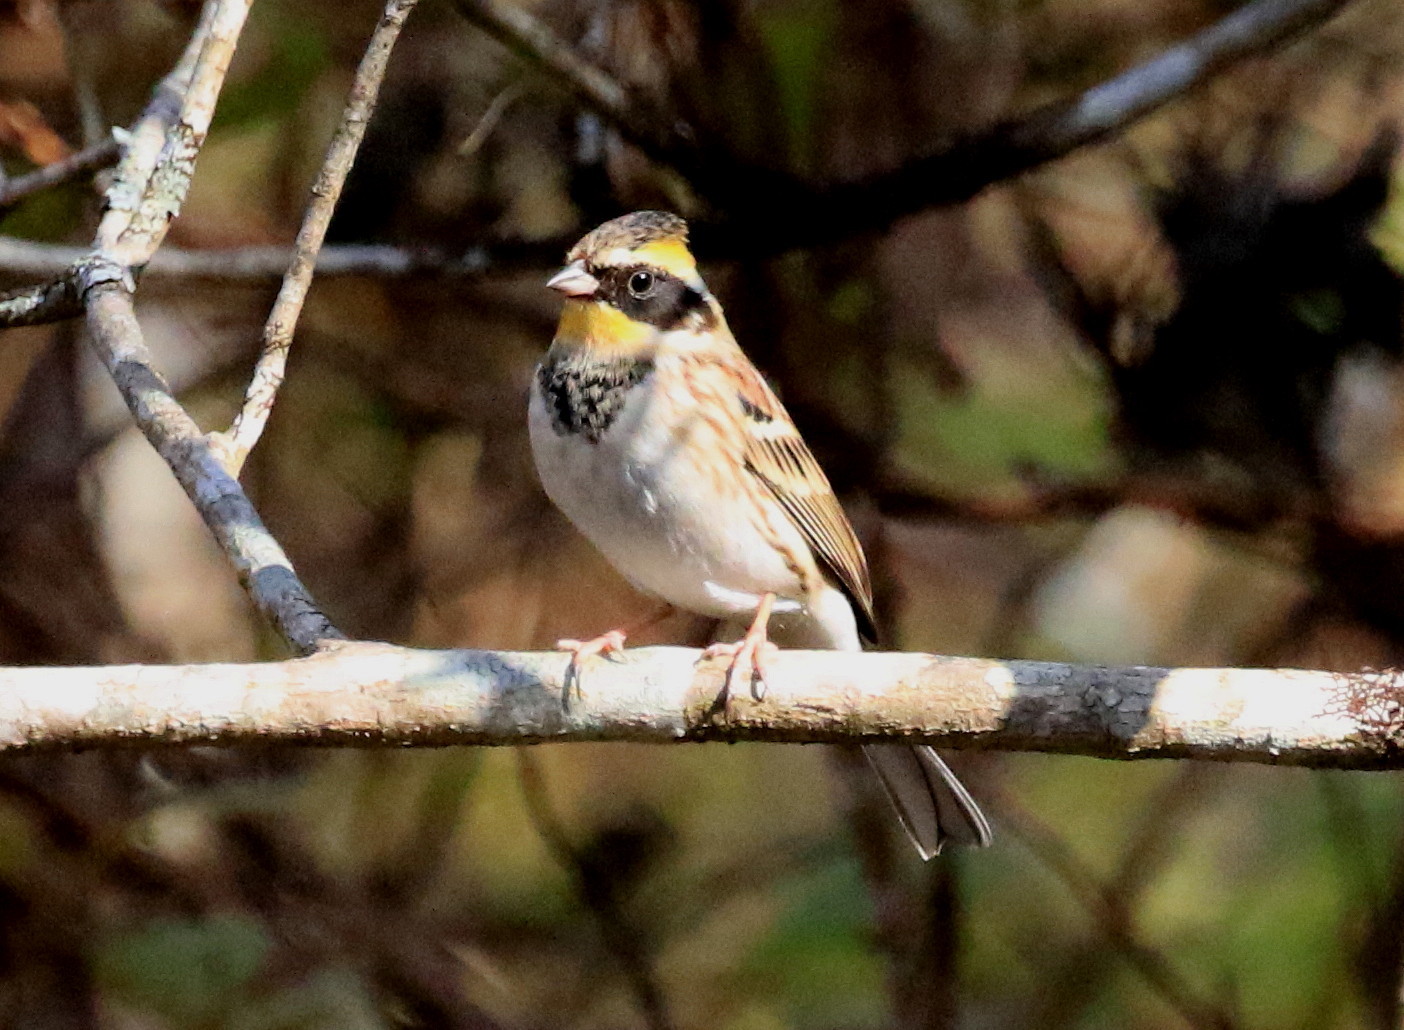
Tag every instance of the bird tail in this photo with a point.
(933, 806)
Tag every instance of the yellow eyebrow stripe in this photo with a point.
(671, 256)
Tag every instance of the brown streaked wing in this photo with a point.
(779, 458)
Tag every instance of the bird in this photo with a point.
(664, 445)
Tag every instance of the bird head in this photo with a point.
(629, 281)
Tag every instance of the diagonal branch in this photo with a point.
(157, 159)
(264, 570)
(523, 33)
(92, 159)
(1115, 917)
(796, 214)
(598, 895)
(660, 134)
(326, 191)
(963, 168)
(155, 171)
(146, 193)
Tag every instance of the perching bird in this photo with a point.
(662, 443)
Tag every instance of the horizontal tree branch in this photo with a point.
(377, 695)
(269, 262)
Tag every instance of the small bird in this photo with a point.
(657, 437)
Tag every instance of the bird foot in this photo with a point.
(580, 650)
(749, 657)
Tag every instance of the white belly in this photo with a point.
(655, 516)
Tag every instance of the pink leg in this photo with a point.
(605, 643)
(749, 655)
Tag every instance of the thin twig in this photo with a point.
(326, 191)
(94, 158)
(158, 158)
(268, 263)
(660, 134)
(154, 174)
(664, 138)
(1115, 919)
(622, 940)
(490, 118)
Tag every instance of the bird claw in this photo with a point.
(749, 657)
(606, 643)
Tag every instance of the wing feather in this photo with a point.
(777, 456)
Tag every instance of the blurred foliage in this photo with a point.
(1145, 405)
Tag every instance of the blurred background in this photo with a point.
(1145, 405)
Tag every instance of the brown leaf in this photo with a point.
(27, 12)
(23, 128)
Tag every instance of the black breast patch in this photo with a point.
(585, 395)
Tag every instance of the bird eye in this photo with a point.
(641, 284)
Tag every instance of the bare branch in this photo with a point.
(94, 158)
(326, 191)
(154, 174)
(269, 263)
(490, 119)
(263, 568)
(598, 894)
(147, 191)
(951, 174)
(965, 167)
(1116, 919)
(663, 138)
(50, 301)
(57, 298)
(375, 694)
(521, 32)
(798, 214)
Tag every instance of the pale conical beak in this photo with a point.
(574, 281)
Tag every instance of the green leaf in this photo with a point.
(185, 970)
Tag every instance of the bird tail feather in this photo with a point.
(934, 807)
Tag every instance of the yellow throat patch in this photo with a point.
(602, 327)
